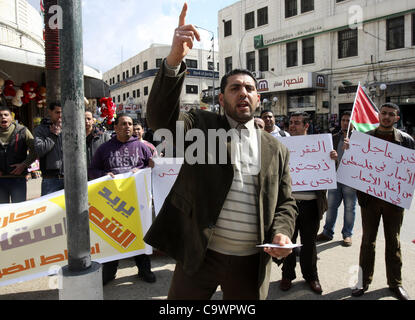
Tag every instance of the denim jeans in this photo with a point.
(335, 198)
(51, 185)
(14, 189)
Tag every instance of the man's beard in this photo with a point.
(233, 113)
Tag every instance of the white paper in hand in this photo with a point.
(287, 246)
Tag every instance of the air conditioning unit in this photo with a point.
(258, 74)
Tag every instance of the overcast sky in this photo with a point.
(115, 29)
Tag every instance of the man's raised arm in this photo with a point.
(163, 106)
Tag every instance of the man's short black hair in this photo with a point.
(392, 106)
(266, 111)
(224, 81)
(5, 108)
(55, 104)
(137, 122)
(346, 113)
(119, 116)
(305, 115)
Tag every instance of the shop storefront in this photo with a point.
(304, 92)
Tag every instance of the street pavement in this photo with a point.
(337, 268)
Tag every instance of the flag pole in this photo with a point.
(354, 106)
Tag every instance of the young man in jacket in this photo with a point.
(16, 155)
(373, 209)
(49, 147)
(94, 137)
(311, 207)
(217, 213)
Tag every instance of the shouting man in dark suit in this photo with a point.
(219, 211)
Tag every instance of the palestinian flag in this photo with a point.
(364, 115)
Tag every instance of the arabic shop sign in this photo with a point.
(308, 80)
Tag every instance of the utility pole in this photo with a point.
(82, 279)
(52, 59)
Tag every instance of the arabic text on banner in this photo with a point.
(379, 168)
(164, 175)
(33, 240)
(311, 167)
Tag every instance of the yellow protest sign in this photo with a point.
(33, 240)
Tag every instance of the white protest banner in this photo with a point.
(164, 176)
(379, 168)
(33, 240)
(311, 167)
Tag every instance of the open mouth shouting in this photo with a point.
(243, 106)
(4, 123)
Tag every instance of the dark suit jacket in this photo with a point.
(188, 217)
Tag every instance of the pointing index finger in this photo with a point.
(182, 19)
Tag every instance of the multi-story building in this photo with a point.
(310, 55)
(131, 81)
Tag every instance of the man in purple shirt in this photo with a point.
(123, 153)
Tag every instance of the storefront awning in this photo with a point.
(95, 88)
(22, 56)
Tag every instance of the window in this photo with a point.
(250, 61)
(395, 33)
(146, 91)
(262, 16)
(145, 65)
(118, 78)
(228, 64)
(127, 74)
(158, 63)
(292, 54)
(133, 71)
(137, 68)
(290, 8)
(307, 5)
(211, 66)
(308, 51)
(250, 20)
(119, 99)
(348, 43)
(123, 75)
(192, 64)
(123, 97)
(128, 95)
(138, 93)
(192, 89)
(263, 60)
(228, 28)
(134, 94)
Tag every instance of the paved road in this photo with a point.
(337, 266)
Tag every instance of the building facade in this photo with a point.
(22, 59)
(310, 55)
(131, 81)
